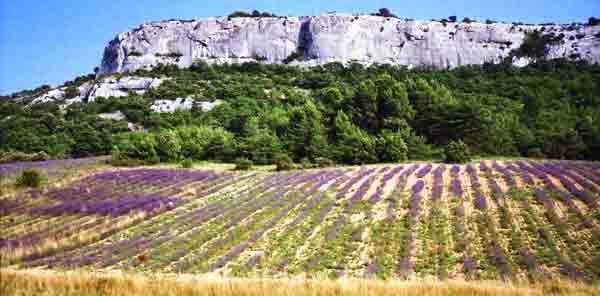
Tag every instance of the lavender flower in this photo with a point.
(469, 264)
(457, 189)
(424, 171)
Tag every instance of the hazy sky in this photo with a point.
(49, 42)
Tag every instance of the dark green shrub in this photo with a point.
(536, 45)
(206, 142)
(12, 156)
(255, 13)
(127, 162)
(239, 14)
(323, 162)
(186, 163)
(168, 145)
(119, 159)
(243, 164)
(535, 153)
(384, 12)
(115, 153)
(457, 152)
(283, 162)
(172, 55)
(135, 54)
(306, 164)
(40, 156)
(297, 55)
(419, 149)
(392, 147)
(30, 178)
(137, 145)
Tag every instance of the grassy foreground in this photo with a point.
(36, 282)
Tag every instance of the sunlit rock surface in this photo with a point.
(106, 87)
(335, 38)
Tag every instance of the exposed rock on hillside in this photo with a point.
(107, 87)
(333, 37)
(163, 106)
(112, 87)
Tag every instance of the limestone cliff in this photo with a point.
(336, 37)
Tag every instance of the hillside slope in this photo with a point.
(510, 220)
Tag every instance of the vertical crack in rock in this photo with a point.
(305, 40)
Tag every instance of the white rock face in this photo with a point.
(118, 115)
(333, 38)
(107, 87)
(163, 106)
(50, 96)
(112, 87)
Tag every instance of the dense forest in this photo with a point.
(333, 113)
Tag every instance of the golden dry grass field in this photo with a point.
(81, 283)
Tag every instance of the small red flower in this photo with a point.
(142, 258)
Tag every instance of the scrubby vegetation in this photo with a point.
(254, 13)
(457, 151)
(30, 178)
(12, 156)
(243, 164)
(536, 45)
(135, 54)
(384, 12)
(351, 114)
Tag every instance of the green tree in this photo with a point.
(168, 146)
(457, 152)
(391, 147)
(352, 145)
(365, 104)
(261, 147)
(137, 145)
(394, 108)
(306, 134)
(206, 142)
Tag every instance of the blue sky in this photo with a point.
(49, 42)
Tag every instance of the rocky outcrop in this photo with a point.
(335, 38)
(168, 106)
(120, 87)
(117, 115)
(107, 87)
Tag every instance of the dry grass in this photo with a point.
(35, 282)
(51, 245)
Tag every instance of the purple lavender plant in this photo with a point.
(469, 265)
(456, 188)
(424, 171)
(438, 182)
(480, 202)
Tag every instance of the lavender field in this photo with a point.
(52, 168)
(509, 220)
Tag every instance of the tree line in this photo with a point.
(332, 113)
